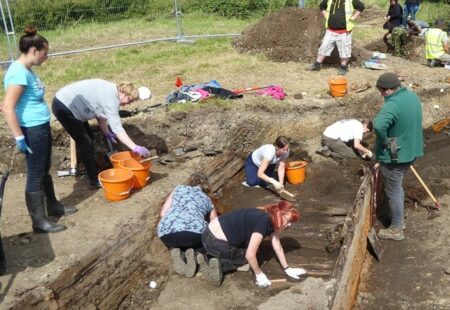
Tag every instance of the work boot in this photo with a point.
(178, 262)
(324, 151)
(202, 264)
(94, 184)
(391, 234)
(213, 273)
(54, 207)
(244, 268)
(432, 63)
(191, 263)
(314, 67)
(36, 209)
(343, 69)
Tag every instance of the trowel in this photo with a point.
(283, 193)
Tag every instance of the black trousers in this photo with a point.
(81, 133)
(183, 240)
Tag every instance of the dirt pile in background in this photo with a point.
(290, 34)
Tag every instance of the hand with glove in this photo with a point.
(22, 145)
(294, 272)
(111, 137)
(262, 281)
(367, 155)
(141, 151)
(277, 185)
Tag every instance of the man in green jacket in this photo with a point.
(398, 127)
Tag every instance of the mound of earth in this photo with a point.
(291, 34)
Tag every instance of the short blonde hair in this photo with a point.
(129, 89)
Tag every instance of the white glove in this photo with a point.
(294, 272)
(367, 155)
(262, 281)
(277, 185)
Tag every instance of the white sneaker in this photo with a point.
(246, 184)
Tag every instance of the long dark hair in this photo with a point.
(281, 142)
(31, 39)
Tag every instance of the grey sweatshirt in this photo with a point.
(89, 99)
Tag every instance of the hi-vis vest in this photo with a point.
(348, 13)
(433, 43)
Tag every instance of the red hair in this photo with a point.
(276, 212)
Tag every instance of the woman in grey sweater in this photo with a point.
(84, 100)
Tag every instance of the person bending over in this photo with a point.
(183, 222)
(260, 165)
(232, 240)
(341, 139)
(76, 103)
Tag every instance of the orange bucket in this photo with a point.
(116, 183)
(338, 86)
(141, 171)
(116, 158)
(295, 172)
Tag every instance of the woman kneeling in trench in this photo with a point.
(260, 164)
(233, 239)
(183, 222)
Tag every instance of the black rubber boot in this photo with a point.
(314, 67)
(35, 206)
(54, 207)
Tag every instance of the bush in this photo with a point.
(49, 14)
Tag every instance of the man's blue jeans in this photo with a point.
(393, 186)
(39, 139)
(409, 9)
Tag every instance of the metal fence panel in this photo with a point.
(125, 22)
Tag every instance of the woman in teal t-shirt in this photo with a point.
(28, 117)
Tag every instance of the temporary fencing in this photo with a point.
(138, 21)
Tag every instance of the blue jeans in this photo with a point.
(230, 257)
(39, 139)
(251, 173)
(409, 9)
(393, 186)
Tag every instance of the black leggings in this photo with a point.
(183, 240)
(81, 133)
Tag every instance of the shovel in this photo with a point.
(432, 211)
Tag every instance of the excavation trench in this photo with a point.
(330, 240)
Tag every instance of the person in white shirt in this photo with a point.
(260, 164)
(341, 139)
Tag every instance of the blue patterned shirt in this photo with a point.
(187, 211)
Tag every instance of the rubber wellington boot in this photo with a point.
(35, 206)
(54, 207)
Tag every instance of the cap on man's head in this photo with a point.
(388, 80)
(440, 22)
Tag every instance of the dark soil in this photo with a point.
(290, 34)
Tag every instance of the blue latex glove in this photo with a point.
(111, 137)
(141, 151)
(22, 146)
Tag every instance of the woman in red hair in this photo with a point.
(233, 239)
